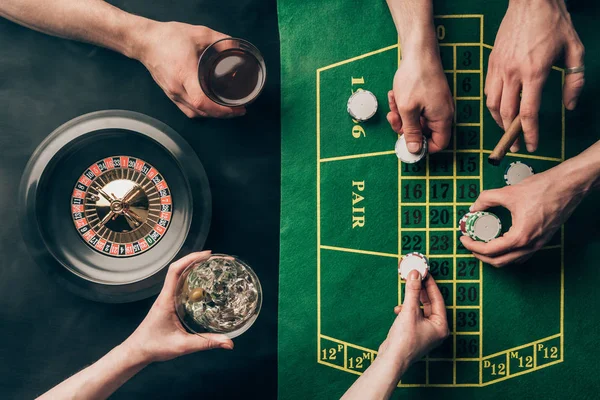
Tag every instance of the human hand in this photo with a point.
(170, 51)
(160, 336)
(421, 103)
(539, 205)
(415, 333)
(531, 37)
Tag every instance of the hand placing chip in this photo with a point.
(539, 205)
(414, 333)
(420, 99)
(421, 103)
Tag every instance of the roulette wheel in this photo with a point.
(108, 200)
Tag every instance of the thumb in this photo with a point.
(208, 341)
(177, 268)
(412, 292)
(411, 128)
(487, 199)
(574, 53)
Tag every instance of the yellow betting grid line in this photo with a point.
(523, 346)
(427, 243)
(469, 255)
(427, 222)
(456, 16)
(440, 281)
(340, 368)
(468, 98)
(349, 157)
(399, 231)
(527, 371)
(337, 64)
(425, 230)
(399, 201)
(345, 356)
(445, 177)
(318, 213)
(463, 307)
(367, 252)
(432, 229)
(439, 385)
(462, 71)
(458, 281)
(449, 204)
(454, 145)
(481, 33)
(339, 341)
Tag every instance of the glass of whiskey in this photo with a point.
(219, 295)
(232, 72)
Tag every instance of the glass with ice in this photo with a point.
(219, 295)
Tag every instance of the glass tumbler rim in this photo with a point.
(252, 318)
(255, 53)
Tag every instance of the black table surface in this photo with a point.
(46, 333)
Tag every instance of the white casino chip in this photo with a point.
(362, 105)
(516, 172)
(406, 156)
(487, 227)
(413, 261)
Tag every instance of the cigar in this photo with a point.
(509, 137)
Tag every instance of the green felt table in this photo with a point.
(351, 209)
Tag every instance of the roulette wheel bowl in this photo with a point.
(108, 200)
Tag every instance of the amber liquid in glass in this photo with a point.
(235, 77)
